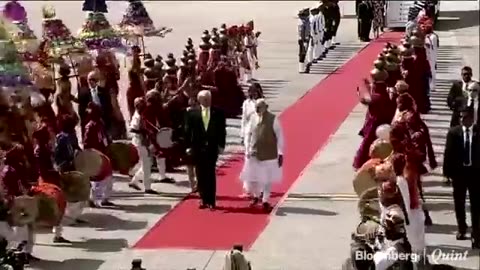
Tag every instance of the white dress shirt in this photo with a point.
(470, 135)
(95, 97)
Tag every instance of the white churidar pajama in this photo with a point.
(250, 42)
(260, 175)
(73, 210)
(319, 49)
(432, 48)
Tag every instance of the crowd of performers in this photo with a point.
(317, 29)
(396, 145)
(40, 149)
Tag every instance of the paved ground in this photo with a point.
(311, 229)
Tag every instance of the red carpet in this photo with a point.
(307, 125)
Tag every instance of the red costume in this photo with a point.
(229, 96)
(380, 111)
(15, 174)
(95, 135)
(134, 90)
(420, 86)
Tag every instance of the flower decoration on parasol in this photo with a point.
(137, 22)
(14, 11)
(12, 71)
(58, 37)
(22, 36)
(98, 34)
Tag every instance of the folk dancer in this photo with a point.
(396, 247)
(63, 97)
(229, 94)
(458, 94)
(140, 141)
(264, 145)
(314, 34)
(249, 41)
(380, 111)
(403, 144)
(156, 117)
(205, 138)
(16, 182)
(248, 110)
(96, 138)
(177, 108)
(66, 147)
(44, 156)
(432, 43)
(461, 163)
(303, 40)
(420, 88)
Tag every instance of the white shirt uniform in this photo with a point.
(136, 124)
(431, 42)
(266, 171)
(320, 30)
(313, 38)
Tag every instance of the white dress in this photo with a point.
(254, 170)
(431, 42)
(248, 109)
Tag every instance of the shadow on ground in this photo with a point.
(72, 264)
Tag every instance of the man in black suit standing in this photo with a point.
(205, 137)
(462, 165)
(457, 97)
(98, 95)
(364, 19)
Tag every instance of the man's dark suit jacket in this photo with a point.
(456, 101)
(205, 143)
(105, 101)
(455, 149)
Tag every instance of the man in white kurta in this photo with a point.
(432, 44)
(264, 144)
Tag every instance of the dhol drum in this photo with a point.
(93, 164)
(365, 177)
(23, 211)
(164, 137)
(51, 204)
(381, 149)
(123, 156)
(369, 205)
(76, 186)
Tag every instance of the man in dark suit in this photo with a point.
(456, 99)
(205, 137)
(462, 165)
(364, 18)
(98, 95)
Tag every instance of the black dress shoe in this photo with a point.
(254, 202)
(167, 180)
(202, 206)
(151, 191)
(476, 244)
(80, 221)
(211, 207)
(428, 219)
(107, 203)
(30, 258)
(61, 240)
(461, 236)
(134, 186)
(267, 207)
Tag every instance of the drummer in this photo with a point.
(16, 183)
(140, 141)
(44, 156)
(96, 138)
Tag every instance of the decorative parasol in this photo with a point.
(98, 34)
(137, 22)
(58, 38)
(14, 11)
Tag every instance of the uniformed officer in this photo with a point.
(320, 49)
(303, 39)
(314, 34)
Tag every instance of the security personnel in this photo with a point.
(336, 16)
(326, 10)
(303, 39)
(318, 54)
(314, 34)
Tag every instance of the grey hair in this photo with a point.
(204, 93)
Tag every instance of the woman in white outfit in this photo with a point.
(248, 109)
